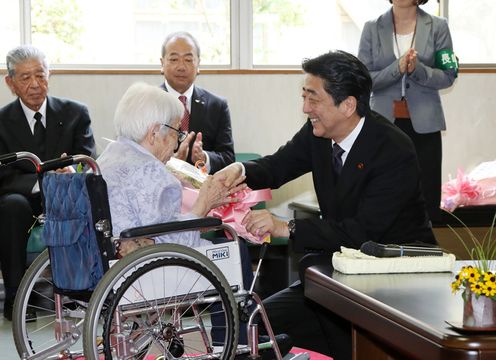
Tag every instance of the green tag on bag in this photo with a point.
(35, 240)
(446, 59)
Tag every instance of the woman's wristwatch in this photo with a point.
(292, 228)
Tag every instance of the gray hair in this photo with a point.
(23, 53)
(143, 106)
(181, 35)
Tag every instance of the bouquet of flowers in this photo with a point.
(192, 178)
(476, 188)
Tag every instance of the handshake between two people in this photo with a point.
(229, 181)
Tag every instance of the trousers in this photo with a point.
(17, 215)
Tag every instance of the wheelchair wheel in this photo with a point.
(35, 295)
(165, 300)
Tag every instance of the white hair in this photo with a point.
(143, 106)
(24, 53)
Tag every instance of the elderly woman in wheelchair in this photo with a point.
(166, 301)
(141, 189)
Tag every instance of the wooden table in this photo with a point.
(399, 316)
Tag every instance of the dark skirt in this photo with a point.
(429, 152)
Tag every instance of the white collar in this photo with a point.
(30, 113)
(188, 93)
(348, 141)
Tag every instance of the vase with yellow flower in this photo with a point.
(478, 281)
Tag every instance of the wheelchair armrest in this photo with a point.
(159, 229)
(13, 157)
(8, 158)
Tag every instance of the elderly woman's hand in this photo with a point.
(215, 193)
(231, 174)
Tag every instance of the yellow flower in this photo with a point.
(489, 289)
(489, 276)
(455, 286)
(477, 279)
(472, 274)
(477, 287)
(464, 272)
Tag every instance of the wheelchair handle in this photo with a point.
(13, 157)
(68, 161)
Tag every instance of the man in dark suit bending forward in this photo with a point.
(46, 126)
(369, 189)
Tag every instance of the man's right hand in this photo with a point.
(230, 174)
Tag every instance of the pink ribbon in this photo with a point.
(233, 213)
(459, 192)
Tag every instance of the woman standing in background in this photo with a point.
(409, 54)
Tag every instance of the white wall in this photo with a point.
(266, 112)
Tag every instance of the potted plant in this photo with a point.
(477, 282)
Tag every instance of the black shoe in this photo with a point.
(284, 342)
(265, 351)
(30, 315)
(8, 306)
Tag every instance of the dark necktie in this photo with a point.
(337, 161)
(185, 120)
(39, 133)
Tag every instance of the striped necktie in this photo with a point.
(185, 120)
(337, 161)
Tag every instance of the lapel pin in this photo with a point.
(360, 166)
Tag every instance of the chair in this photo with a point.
(166, 296)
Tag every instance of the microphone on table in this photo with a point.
(380, 250)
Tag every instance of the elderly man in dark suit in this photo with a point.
(367, 182)
(207, 117)
(46, 126)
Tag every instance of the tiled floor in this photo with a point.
(7, 347)
(8, 351)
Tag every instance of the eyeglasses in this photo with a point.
(181, 135)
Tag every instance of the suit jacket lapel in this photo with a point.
(385, 29)
(356, 162)
(424, 24)
(326, 179)
(198, 108)
(54, 124)
(20, 128)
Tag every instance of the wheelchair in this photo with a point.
(163, 300)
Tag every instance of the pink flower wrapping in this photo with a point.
(460, 192)
(232, 214)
